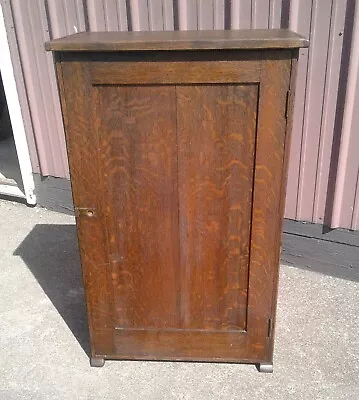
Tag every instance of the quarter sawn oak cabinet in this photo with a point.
(178, 146)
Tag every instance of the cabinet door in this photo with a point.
(181, 162)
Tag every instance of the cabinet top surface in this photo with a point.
(179, 40)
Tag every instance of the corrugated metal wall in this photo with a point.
(323, 172)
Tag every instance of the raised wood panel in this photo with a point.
(216, 140)
(137, 142)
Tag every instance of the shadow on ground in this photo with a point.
(51, 253)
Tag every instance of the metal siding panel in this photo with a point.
(355, 221)
(241, 14)
(139, 15)
(155, 15)
(96, 15)
(65, 17)
(317, 64)
(32, 32)
(299, 21)
(122, 15)
(205, 14)
(346, 190)
(106, 15)
(20, 84)
(329, 108)
(187, 13)
(275, 14)
(219, 14)
(111, 15)
(168, 15)
(260, 14)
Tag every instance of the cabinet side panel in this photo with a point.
(288, 137)
(267, 199)
(137, 131)
(86, 187)
(216, 128)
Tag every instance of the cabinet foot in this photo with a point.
(265, 367)
(97, 361)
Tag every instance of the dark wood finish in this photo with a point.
(179, 40)
(172, 72)
(216, 141)
(178, 171)
(137, 142)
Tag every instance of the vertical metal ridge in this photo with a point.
(318, 54)
(275, 13)
(155, 15)
(260, 14)
(346, 181)
(95, 15)
(241, 14)
(169, 13)
(300, 16)
(219, 14)
(45, 115)
(329, 109)
(205, 14)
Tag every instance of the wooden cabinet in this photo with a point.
(178, 145)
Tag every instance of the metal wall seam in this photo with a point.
(64, 18)
(139, 15)
(110, 11)
(300, 17)
(155, 15)
(260, 14)
(241, 14)
(31, 34)
(169, 11)
(317, 66)
(345, 199)
(219, 11)
(275, 14)
(329, 110)
(205, 12)
(96, 15)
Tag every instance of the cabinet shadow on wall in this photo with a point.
(51, 253)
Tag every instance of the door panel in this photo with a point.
(180, 259)
(216, 130)
(137, 139)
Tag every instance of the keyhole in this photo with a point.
(90, 213)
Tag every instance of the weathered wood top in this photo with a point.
(179, 40)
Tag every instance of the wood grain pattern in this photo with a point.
(87, 184)
(266, 218)
(216, 130)
(137, 142)
(186, 345)
(179, 40)
(180, 260)
(287, 143)
(127, 73)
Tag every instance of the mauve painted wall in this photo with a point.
(323, 171)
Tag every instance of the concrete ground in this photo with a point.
(44, 340)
